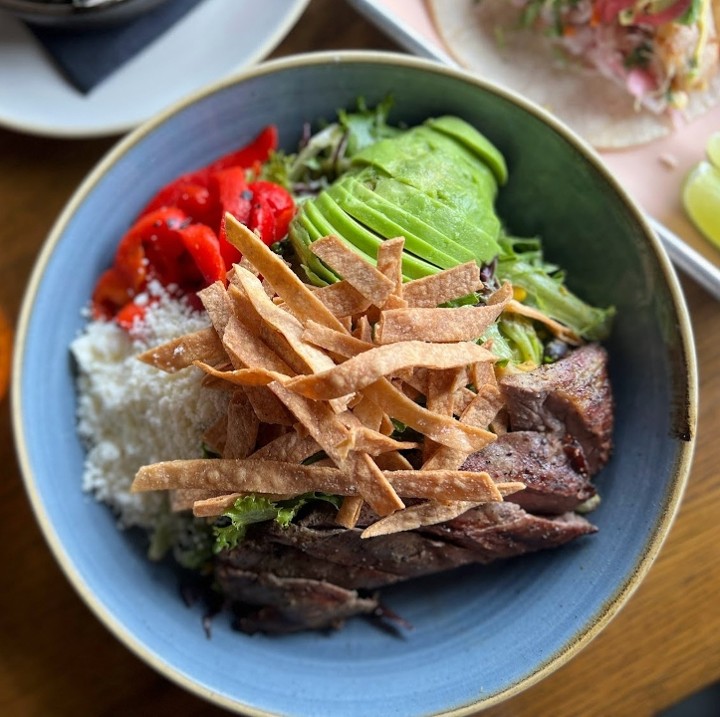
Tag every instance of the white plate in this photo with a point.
(214, 39)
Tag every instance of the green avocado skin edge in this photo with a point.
(434, 184)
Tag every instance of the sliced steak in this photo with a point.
(544, 462)
(571, 396)
(403, 555)
(496, 531)
(306, 576)
(290, 604)
(263, 554)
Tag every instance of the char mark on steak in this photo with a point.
(544, 462)
(571, 396)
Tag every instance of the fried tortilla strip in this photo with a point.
(298, 297)
(463, 398)
(389, 263)
(363, 330)
(267, 407)
(393, 461)
(340, 344)
(216, 435)
(290, 447)
(349, 512)
(217, 305)
(243, 376)
(480, 412)
(447, 285)
(251, 476)
(247, 350)
(442, 387)
(213, 506)
(329, 431)
(184, 498)
(359, 371)
(372, 442)
(242, 427)
(564, 333)
(441, 429)
(368, 413)
(283, 322)
(464, 323)
(482, 373)
(430, 513)
(342, 299)
(348, 264)
(441, 325)
(247, 315)
(182, 352)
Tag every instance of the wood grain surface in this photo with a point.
(57, 659)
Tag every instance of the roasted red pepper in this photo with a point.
(203, 247)
(281, 205)
(111, 293)
(234, 197)
(186, 193)
(156, 228)
(251, 155)
(179, 237)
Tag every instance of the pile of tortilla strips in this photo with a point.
(323, 370)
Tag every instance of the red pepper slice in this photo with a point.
(110, 294)
(129, 314)
(234, 197)
(156, 227)
(203, 247)
(262, 219)
(171, 194)
(256, 152)
(281, 203)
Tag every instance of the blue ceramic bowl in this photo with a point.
(480, 635)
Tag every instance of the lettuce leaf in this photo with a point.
(231, 527)
(326, 154)
(521, 263)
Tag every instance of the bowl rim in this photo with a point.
(686, 357)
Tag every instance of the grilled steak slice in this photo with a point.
(290, 604)
(503, 530)
(571, 396)
(304, 577)
(262, 554)
(403, 555)
(544, 462)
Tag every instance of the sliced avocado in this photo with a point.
(388, 229)
(479, 235)
(362, 238)
(475, 141)
(433, 162)
(301, 233)
(408, 223)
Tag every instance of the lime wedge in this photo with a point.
(701, 197)
(713, 149)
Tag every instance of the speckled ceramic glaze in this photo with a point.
(480, 634)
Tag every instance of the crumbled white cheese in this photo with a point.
(131, 414)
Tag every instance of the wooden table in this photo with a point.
(57, 659)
